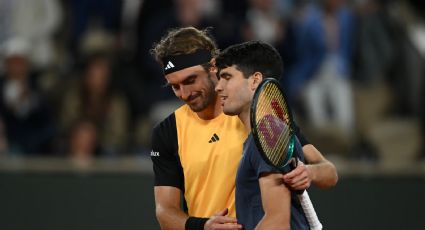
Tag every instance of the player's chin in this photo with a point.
(230, 111)
(198, 106)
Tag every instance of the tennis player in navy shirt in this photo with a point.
(263, 200)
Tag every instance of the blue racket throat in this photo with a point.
(291, 148)
(289, 155)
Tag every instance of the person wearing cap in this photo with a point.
(196, 150)
(28, 122)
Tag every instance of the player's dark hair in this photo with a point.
(184, 40)
(250, 57)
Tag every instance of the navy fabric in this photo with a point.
(249, 209)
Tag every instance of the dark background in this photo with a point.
(102, 200)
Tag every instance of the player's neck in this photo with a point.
(212, 111)
(245, 118)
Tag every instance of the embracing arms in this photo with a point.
(171, 217)
(319, 171)
(168, 211)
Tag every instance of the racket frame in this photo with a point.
(305, 202)
(253, 121)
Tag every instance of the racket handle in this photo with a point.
(306, 204)
(309, 211)
(292, 166)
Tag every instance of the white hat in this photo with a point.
(15, 47)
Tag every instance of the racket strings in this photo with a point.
(272, 116)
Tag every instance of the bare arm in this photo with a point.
(319, 171)
(323, 172)
(171, 217)
(276, 201)
(168, 212)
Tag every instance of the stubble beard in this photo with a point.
(207, 99)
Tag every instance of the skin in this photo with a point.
(321, 172)
(195, 87)
(236, 93)
(276, 208)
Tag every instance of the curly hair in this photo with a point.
(185, 40)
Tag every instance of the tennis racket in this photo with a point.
(273, 132)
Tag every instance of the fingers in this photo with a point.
(226, 226)
(223, 219)
(296, 179)
(301, 185)
(296, 172)
(222, 222)
(299, 178)
(222, 212)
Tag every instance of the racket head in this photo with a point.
(271, 124)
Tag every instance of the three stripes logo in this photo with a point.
(169, 65)
(214, 138)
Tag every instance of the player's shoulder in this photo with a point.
(250, 147)
(184, 112)
(166, 124)
(170, 121)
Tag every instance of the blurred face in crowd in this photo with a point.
(97, 77)
(235, 91)
(16, 66)
(189, 11)
(83, 139)
(194, 86)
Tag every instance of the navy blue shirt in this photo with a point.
(249, 209)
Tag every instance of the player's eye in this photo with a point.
(190, 80)
(225, 77)
(175, 87)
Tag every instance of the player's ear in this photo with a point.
(257, 78)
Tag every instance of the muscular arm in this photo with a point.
(276, 201)
(169, 178)
(319, 171)
(323, 172)
(168, 211)
(169, 182)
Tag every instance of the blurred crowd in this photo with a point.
(77, 78)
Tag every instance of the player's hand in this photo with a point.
(221, 221)
(300, 178)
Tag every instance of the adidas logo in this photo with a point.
(169, 65)
(214, 138)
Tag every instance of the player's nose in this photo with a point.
(184, 93)
(219, 86)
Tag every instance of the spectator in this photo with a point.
(36, 20)
(85, 16)
(27, 117)
(322, 69)
(83, 141)
(263, 22)
(94, 98)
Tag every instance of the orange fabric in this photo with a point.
(209, 152)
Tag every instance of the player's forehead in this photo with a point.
(229, 71)
(181, 75)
